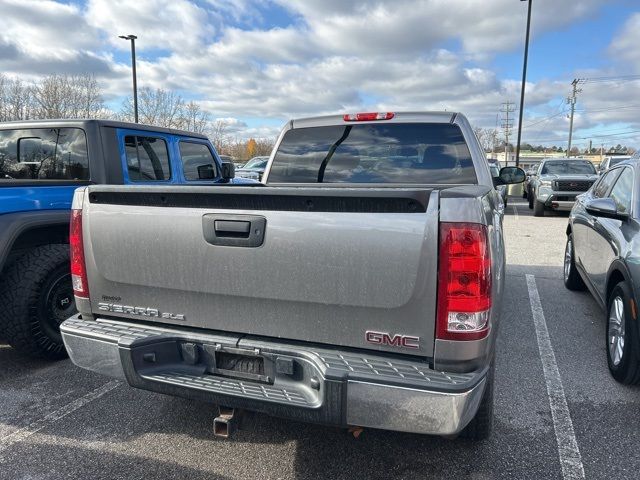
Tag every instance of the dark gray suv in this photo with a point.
(603, 255)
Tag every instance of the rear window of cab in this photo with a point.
(411, 153)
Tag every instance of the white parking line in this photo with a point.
(570, 458)
(24, 433)
(515, 211)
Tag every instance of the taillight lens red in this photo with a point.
(464, 282)
(367, 117)
(78, 266)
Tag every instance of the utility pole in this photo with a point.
(571, 100)
(524, 81)
(507, 124)
(133, 67)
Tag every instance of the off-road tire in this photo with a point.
(35, 294)
(538, 208)
(628, 370)
(572, 278)
(480, 427)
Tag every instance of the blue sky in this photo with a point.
(257, 63)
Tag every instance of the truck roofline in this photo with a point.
(80, 123)
(399, 117)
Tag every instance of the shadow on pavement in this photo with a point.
(47, 461)
(13, 364)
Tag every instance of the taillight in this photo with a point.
(366, 117)
(78, 267)
(464, 282)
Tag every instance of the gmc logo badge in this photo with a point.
(381, 338)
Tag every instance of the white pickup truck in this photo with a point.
(360, 285)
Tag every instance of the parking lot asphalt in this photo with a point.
(558, 411)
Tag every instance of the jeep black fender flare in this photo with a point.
(12, 225)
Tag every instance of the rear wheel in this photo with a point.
(538, 208)
(623, 356)
(36, 297)
(480, 427)
(572, 279)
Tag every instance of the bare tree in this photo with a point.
(487, 136)
(194, 118)
(16, 99)
(159, 107)
(264, 146)
(68, 96)
(217, 133)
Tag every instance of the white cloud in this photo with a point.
(335, 56)
(407, 27)
(177, 25)
(626, 45)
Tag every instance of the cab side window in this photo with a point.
(197, 161)
(604, 185)
(42, 154)
(622, 191)
(147, 158)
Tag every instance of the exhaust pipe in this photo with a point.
(226, 423)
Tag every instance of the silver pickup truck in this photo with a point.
(360, 285)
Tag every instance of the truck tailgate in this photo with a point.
(326, 265)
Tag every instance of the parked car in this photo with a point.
(229, 159)
(41, 164)
(502, 189)
(602, 255)
(608, 162)
(556, 183)
(361, 286)
(254, 168)
(528, 174)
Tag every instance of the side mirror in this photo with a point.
(605, 207)
(206, 172)
(510, 175)
(228, 170)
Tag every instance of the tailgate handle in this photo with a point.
(233, 230)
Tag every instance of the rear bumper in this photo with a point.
(299, 382)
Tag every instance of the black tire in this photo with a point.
(481, 425)
(538, 208)
(36, 296)
(572, 278)
(506, 200)
(627, 368)
(530, 198)
(524, 193)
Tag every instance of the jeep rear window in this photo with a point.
(411, 153)
(44, 154)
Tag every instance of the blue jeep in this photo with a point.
(41, 164)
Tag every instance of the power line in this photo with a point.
(594, 136)
(544, 120)
(607, 109)
(627, 78)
